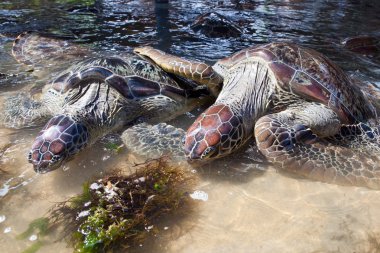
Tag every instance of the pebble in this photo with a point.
(94, 186)
(83, 214)
(7, 230)
(33, 238)
(2, 218)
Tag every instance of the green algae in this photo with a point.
(38, 226)
(78, 201)
(115, 147)
(121, 211)
(34, 247)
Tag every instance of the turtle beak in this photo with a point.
(43, 166)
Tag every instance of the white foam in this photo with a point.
(7, 184)
(199, 195)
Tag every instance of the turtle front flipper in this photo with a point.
(198, 71)
(350, 156)
(155, 141)
(21, 110)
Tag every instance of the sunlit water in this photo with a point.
(250, 207)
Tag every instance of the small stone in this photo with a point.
(106, 157)
(94, 186)
(33, 238)
(65, 168)
(83, 214)
(141, 179)
(7, 230)
(2, 218)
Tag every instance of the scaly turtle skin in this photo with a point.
(212, 24)
(92, 98)
(306, 114)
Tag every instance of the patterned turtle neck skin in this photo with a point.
(229, 123)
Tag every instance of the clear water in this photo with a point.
(250, 207)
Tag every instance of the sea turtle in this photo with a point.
(94, 97)
(306, 114)
(213, 24)
(364, 45)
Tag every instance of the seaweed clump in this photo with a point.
(121, 211)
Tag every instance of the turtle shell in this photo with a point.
(34, 48)
(213, 24)
(132, 76)
(312, 76)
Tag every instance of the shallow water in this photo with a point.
(250, 207)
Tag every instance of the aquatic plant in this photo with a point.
(120, 211)
(34, 247)
(38, 226)
(115, 147)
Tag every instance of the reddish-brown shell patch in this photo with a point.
(213, 109)
(57, 147)
(210, 121)
(283, 74)
(212, 138)
(44, 147)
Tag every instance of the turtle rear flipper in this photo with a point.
(32, 48)
(154, 141)
(348, 157)
(21, 110)
(371, 91)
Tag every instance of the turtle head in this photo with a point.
(58, 141)
(215, 133)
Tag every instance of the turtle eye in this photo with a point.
(55, 158)
(209, 151)
(30, 156)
